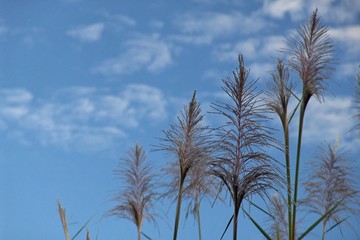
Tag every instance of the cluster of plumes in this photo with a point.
(189, 142)
(136, 199)
(330, 184)
(280, 92)
(235, 154)
(242, 163)
(279, 221)
(311, 52)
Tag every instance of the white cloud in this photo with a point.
(278, 8)
(150, 53)
(117, 20)
(252, 48)
(336, 11)
(123, 19)
(16, 95)
(348, 70)
(14, 103)
(350, 37)
(81, 118)
(205, 27)
(228, 52)
(328, 120)
(330, 10)
(90, 33)
(261, 70)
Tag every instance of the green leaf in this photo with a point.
(145, 235)
(336, 224)
(227, 226)
(82, 228)
(257, 225)
(261, 209)
(319, 220)
(295, 109)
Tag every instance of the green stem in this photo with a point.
(277, 230)
(288, 174)
(178, 207)
(323, 232)
(236, 213)
(301, 123)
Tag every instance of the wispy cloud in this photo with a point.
(328, 120)
(344, 11)
(17, 95)
(278, 8)
(251, 48)
(14, 103)
(89, 33)
(120, 19)
(349, 69)
(144, 52)
(333, 11)
(80, 118)
(203, 28)
(349, 38)
(117, 21)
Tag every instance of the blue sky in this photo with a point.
(82, 81)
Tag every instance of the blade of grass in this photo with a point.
(319, 220)
(336, 224)
(261, 209)
(295, 109)
(82, 228)
(227, 226)
(257, 226)
(145, 235)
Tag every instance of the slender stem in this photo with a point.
(236, 213)
(199, 221)
(288, 175)
(301, 123)
(277, 230)
(323, 231)
(139, 233)
(178, 207)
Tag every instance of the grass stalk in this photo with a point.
(242, 163)
(178, 208)
(189, 142)
(288, 176)
(135, 201)
(235, 221)
(297, 167)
